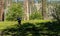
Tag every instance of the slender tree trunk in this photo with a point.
(44, 14)
(1, 9)
(26, 9)
(7, 4)
(31, 4)
(30, 10)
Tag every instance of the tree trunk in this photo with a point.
(7, 4)
(1, 9)
(26, 9)
(44, 14)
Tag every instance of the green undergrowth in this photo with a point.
(31, 28)
(6, 24)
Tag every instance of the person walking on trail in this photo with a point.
(19, 20)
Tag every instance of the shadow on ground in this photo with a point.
(37, 29)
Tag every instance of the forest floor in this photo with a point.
(6, 24)
(30, 28)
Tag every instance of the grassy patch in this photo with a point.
(6, 24)
(31, 28)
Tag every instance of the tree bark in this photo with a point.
(1, 9)
(26, 9)
(44, 14)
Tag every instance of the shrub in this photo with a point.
(14, 11)
(36, 15)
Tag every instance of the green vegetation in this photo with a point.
(31, 28)
(17, 10)
(6, 24)
(36, 15)
(14, 11)
(56, 13)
